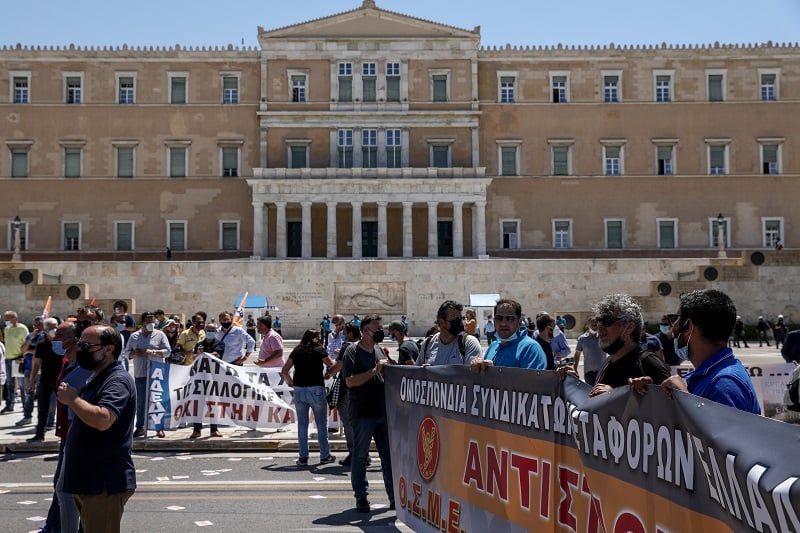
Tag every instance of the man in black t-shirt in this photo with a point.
(46, 360)
(363, 364)
(407, 350)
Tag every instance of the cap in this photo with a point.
(780, 316)
(760, 317)
(396, 325)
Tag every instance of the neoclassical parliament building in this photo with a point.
(370, 133)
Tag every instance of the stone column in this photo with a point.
(408, 231)
(383, 249)
(306, 245)
(433, 234)
(259, 231)
(331, 229)
(458, 229)
(356, 229)
(479, 212)
(280, 230)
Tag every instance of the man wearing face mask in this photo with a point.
(665, 336)
(145, 345)
(46, 360)
(589, 344)
(98, 467)
(513, 347)
(619, 325)
(702, 329)
(451, 346)
(123, 321)
(238, 344)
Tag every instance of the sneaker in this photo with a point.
(362, 505)
(36, 438)
(25, 421)
(327, 460)
(302, 461)
(346, 461)
(7, 409)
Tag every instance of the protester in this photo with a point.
(351, 334)
(705, 322)
(15, 334)
(98, 466)
(407, 350)
(513, 348)
(191, 336)
(270, 353)
(308, 359)
(49, 362)
(451, 345)
(238, 344)
(589, 344)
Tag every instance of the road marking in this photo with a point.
(228, 483)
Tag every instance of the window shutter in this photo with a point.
(717, 157)
(770, 153)
(178, 90)
(72, 162)
(509, 162)
(664, 152)
(393, 88)
(19, 165)
(560, 161)
(715, 88)
(612, 152)
(177, 162)
(124, 236)
(125, 162)
(345, 89)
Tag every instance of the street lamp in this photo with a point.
(721, 237)
(16, 257)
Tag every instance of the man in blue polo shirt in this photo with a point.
(512, 346)
(705, 322)
(98, 467)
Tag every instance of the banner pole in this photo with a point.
(147, 401)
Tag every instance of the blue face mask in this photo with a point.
(664, 329)
(58, 347)
(682, 352)
(210, 335)
(8, 323)
(120, 327)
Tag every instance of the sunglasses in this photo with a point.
(606, 320)
(85, 346)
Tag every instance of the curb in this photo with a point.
(185, 445)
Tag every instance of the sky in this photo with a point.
(518, 22)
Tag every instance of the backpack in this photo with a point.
(792, 396)
(462, 346)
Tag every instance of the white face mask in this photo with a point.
(150, 326)
(592, 331)
(51, 333)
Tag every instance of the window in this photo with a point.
(392, 82)
(663, 85)
(345, 82)
(772, 229)
(177, 161)
(230, 161)
(123, 235)
(509, 234)
(440, 156)
(615, 230)
(72, 162)
(667, 232)
(230, 89)
(716, 85)
(717, 159)
(176, 235)
(228, 235)
(298, 155)
(298, 87)
(125, 89)
(562, 234)
(20, 164)
(768, 80)
(125, 159)
(71, 232)
(368, 82)
(559, 87)
(345, 148)
(507, 86)
(770, 156)
(509, 158)
(393, 149)
(178, 88)
(665, 165)
(21, 87)
(439, 88)
(369, 148)
(562, 157)
(612, 160)
(72, 89)
(23, 235)
(713, 228)
(611, 92)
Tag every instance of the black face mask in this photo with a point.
(614, 347)
(225, 325)
(86, 360)
(456, 326)
(378, 336)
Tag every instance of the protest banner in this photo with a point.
(519, 450)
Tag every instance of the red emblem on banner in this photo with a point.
(428, 448)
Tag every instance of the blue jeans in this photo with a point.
(70, 519)
(344, 415)
(141, 400)
(364, 430)
(306, 398)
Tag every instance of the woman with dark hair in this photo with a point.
(308, 360)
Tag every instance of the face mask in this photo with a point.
(58, 347)
(8, 323)
(378, 336)
(592, 331)
(682, 351)
(210, 335)
(614, 347)
(86, 360)
(225, 325)
(116, 310)
(51, 333)
(456, 326)
(120, 327)
(506, 339)
(150, 326)
(664, 329)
